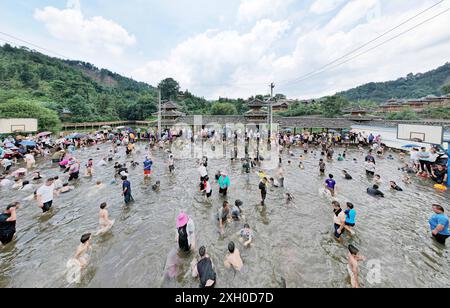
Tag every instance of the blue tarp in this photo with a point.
(28, 143)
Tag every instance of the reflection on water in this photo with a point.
(294, 246)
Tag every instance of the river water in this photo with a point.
(293, 247)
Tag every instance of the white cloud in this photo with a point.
(352, 13)
(216, 57)
(95, 33)
(417, 51)
(256, 9)
(236, 64)
(325, 6)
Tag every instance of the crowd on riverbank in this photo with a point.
(21, 156)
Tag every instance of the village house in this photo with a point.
(169, 112)
(258, 110)
(417, 105)
(282, 105)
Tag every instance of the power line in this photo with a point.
(362, 46)
(365, 52)
(34, 45)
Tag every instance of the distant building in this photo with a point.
(357, 111)
(66, 114)
(169, 112)
(282, 105)
(258, 110)
(417, 105)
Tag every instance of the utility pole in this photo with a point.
(159, 114)
(270, 118)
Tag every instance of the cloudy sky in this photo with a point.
(235, 48)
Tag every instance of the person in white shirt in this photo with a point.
(339, 218)
(414, 158)
(203, 172)
(6, 183)
(29, 159)
(102, 163)
(58, 183)
(45, 195)
(370, 168)
(6, 164)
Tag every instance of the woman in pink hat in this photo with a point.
(185, 232)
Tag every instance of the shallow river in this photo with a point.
(293, 246)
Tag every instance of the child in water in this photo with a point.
(104, 221)
(301, 166)
(156, 187)
(353, 268)
(82, 254)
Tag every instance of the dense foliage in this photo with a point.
(47, 119)
(73, 89)
(412, 86)
(77, 91)
(170, 88)
(223, 109)
(329, 107)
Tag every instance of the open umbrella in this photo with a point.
(9, 145)
(44, 134)
(76, 136)
(409, 146)
(106, 127)
(28, 143)
(120, 127)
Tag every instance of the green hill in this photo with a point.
(75, 90)
(411, 86)
(61, 90)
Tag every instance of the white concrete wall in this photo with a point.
(9, 126)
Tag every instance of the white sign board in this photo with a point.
(421, 133)
(10, 126)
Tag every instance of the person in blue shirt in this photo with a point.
(126, 190)
(331, 185)
(350, 220)
(439, 224)
(148, 164)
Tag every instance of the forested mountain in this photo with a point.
(411, 86)
(35, 85)
(90, 94)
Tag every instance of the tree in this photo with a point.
(27, 77)
(47, 119)
(169, 88)
(333, 106)
(298, 110)
(223, 109)
(446, 89)
(79, 108)
(407, 114)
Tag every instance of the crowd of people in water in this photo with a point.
(19, 171)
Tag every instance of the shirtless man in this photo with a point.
(82, 251)
(104, 221)
(233, 259)
(353, 258)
